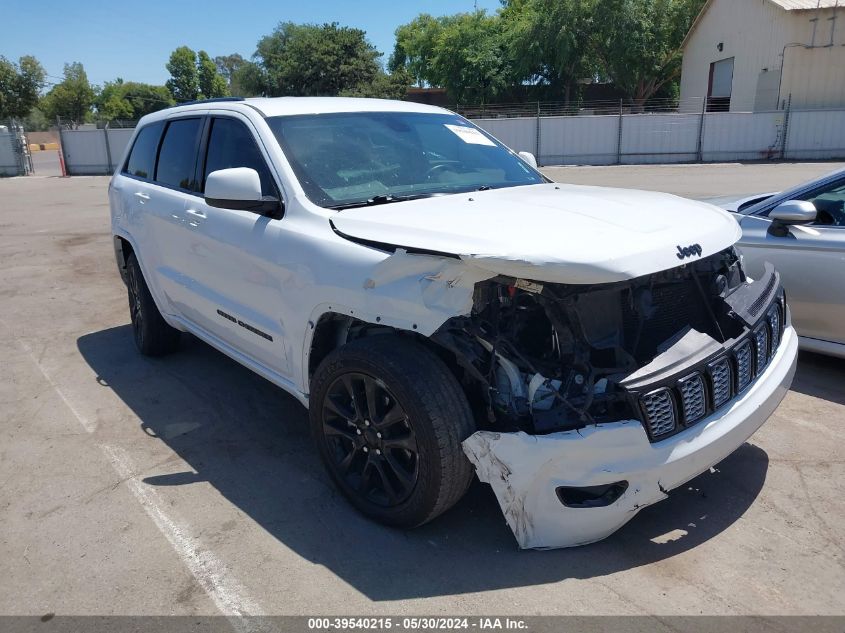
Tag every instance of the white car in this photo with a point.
(438, 304)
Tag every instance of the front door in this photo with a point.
(810, 260)
(232, 254)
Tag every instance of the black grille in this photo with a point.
(720, 381)
(690, 399)
(669, 305)
(744, 365)
(693, 398)
(761, 348)
(774, 320)
(758, 305)
(659, 411)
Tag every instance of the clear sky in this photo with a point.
(133, 40)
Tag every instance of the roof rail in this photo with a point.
(214, 100)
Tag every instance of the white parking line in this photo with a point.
(210, 572)
(89, 426)
(226, 592)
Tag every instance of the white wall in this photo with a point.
(754, 33)
(85, 150)
(674, 138)
(816, 134)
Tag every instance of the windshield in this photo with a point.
(359, 158)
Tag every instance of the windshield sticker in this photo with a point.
(470, 135)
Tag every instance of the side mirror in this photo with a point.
(793, 212)
(529, 158)
(239, 188)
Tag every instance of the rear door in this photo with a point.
(174, 182)
(232, 256)
(131, 194)
(809, 258)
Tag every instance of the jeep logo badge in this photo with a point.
(689, 251)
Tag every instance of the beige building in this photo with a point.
(751, 55)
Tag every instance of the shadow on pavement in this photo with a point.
(821, 377)
(250, 440)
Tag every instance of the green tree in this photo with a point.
(211, 83)
(416, 44)
(311, 59)
(248, 80)
(383, 86)
(130, 100)
(639, 42)
(227, 65)
(232, 68)
(194, 76)
(551, 42)
(19, 86)
(470, 59)
(35, 121)
(72, 98)
(184, 83)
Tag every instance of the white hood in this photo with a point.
(555, 233)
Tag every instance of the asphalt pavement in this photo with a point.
(188, 485)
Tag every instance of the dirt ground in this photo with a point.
(187, 485)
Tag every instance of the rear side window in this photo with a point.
(177, 157)
(230, 144)
(142, 158)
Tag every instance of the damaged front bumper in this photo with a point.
(532, 475)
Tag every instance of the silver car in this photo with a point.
(802, 232)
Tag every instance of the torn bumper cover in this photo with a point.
(537, 478)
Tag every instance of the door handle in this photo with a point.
(142, 195)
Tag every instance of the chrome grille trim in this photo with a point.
(659, 410)
(720, 380)
(744, 365)
(693, 398)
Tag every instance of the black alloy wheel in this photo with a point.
(372, 443)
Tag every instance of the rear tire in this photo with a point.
(388, 418)
(153, 336)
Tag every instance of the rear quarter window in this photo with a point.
(142, 156)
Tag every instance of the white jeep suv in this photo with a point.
(439, 305)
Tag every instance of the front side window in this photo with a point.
(348, 159)
(230, 144)
(178, 154)
(142, 157)
(830, 204)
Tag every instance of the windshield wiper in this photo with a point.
(381, 199)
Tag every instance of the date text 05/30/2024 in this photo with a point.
(416, 623)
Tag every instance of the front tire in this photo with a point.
(153, 336)
(388, 418)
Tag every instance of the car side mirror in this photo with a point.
(794, 212)
(239, 188)
(529, 158)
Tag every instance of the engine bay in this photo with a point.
(543, 358)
